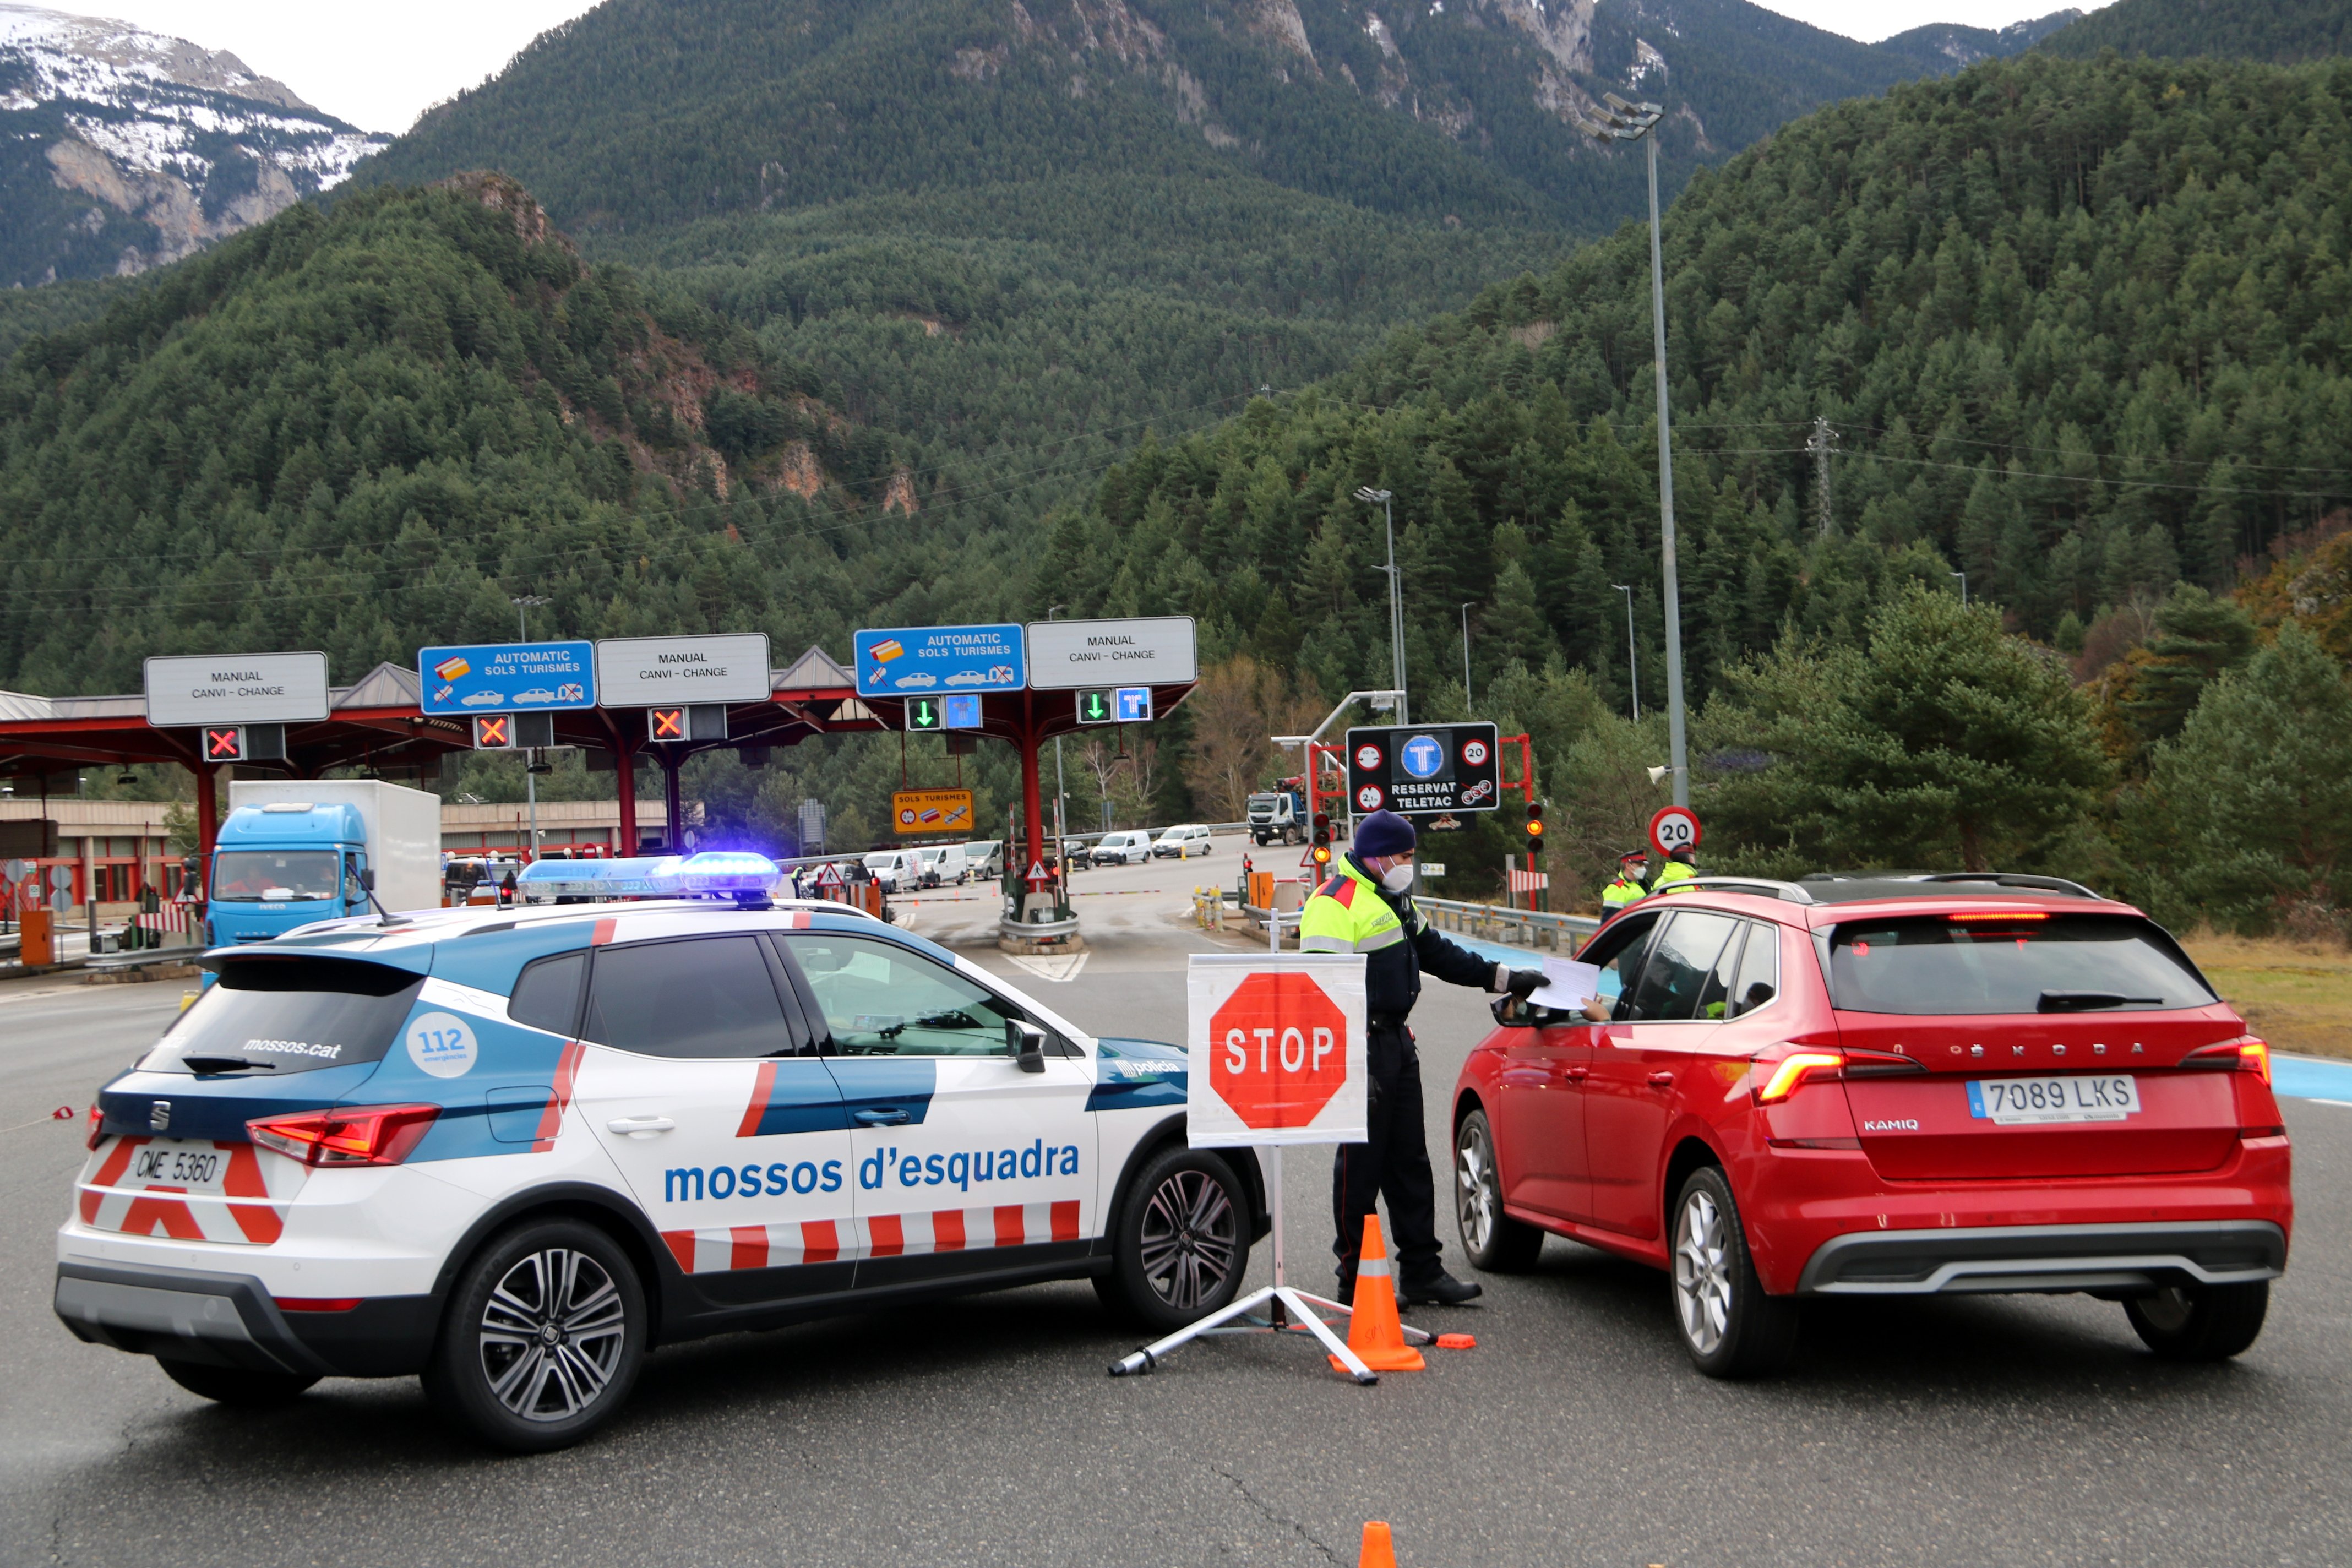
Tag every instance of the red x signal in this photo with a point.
(666, 723)
(224, 745)
(493, 732)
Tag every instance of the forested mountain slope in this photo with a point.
(2279, 31)
(364, 431)
(2080, 330)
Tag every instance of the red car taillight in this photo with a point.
(361, 1135)
(2244, 1054)
(1792, 1072)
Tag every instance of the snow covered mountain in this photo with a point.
(121, 149)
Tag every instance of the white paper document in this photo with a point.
(1568, 984)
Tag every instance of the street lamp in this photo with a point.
(1964, 587)
(523, 603)
(1465, 650)
(1386, 502)
(1639, 122)
(1632, 669)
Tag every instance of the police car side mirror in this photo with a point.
(1025, 1043)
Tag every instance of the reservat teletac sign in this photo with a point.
(1425, 768)
(506, 678)
(931, 661)
(1275, 1049)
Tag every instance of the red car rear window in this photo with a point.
(1977, 961)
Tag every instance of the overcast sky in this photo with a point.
(380, 67)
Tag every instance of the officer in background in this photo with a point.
(1680, 866)
(1367, 907)
(1629, 888)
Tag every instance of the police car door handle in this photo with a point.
(894, 1117)
(641, 1126)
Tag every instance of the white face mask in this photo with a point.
(1398, 878)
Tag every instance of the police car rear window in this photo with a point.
(1985, 961)
(270, 1016)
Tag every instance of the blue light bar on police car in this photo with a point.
(722, 872)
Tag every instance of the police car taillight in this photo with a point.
(97, 1126)
(715, 873)
(360, 1135)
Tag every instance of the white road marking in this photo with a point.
(1059, 968)
(2316, 1100)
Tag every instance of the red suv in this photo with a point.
(1886, 1086)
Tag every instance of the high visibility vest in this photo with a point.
(1676, 871)
(1347, 914)
(1622, 891)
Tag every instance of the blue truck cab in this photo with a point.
(284, 865)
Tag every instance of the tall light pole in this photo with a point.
(523, 603)
(1465, 650)
(1639, 122)
(1964, 588)
(1387, 503)
(1632, 669)
(1061, 852)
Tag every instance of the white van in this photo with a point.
(1128, 846)
(1183, 841)
(985, 857)
(944, 863)
(895, 870)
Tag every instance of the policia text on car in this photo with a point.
(1365, 907)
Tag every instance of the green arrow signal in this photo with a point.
(922, 714)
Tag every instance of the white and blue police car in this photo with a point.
(512, 1150)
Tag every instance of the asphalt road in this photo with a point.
(1990, 1430)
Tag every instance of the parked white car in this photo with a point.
(1128, 846)
(1183, 841)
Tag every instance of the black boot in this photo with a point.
(1441, 1290)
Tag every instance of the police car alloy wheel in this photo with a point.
(542, 1338)
(1180, 1248)
(1729, 1326)
(1493, 1239)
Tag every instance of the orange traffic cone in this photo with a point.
(1379, 1551)
(1373, 1332)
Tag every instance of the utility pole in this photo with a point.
(1821, 444)
(1639, 122)
(1964, 588)
(1061, 851)
(1465, 650)
(1632, 667)
(1386, 501)
(523, 604)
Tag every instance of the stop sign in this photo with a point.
(1278, 1051)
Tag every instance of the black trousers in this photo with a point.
(1394, 1164)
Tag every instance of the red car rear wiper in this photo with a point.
(2083, 1001)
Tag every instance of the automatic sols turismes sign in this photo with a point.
(1417, 768)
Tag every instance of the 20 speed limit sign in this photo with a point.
(1674, 827)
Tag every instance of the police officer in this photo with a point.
(1629, 888)
(1680, 866)
(1366, 906)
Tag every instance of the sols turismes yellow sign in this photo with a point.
(931, 810)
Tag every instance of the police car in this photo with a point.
(512, 1150)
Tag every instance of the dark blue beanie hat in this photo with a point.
(1384, 833)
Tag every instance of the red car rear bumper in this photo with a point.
(1822, 1222)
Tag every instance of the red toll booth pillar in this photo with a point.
(1032, 809)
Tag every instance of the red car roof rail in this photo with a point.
(1789, 890)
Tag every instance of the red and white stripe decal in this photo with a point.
(567, 1078)
(879, 1236)
(240, 1213)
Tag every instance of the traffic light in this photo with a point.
(1534, 825)
(224, 743)
(494, 731)
(923, 713)
(1322, 838)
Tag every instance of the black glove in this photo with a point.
(1525, 983)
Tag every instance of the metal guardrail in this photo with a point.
(1526, 927)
